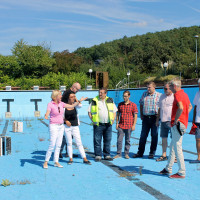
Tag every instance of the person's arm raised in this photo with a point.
(76, 103)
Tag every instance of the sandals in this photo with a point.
(58, 165)
(87, 162)
(45, 166)
(162, 158)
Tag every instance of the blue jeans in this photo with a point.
(197, 132)
(148, 123)
(105, 131)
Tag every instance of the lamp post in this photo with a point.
(90, 71)
(128, 74)
(165, 65)
(196, 36)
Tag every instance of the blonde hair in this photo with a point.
(55, 93)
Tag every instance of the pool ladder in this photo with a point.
(121, 85)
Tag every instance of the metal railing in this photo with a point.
(121, 85)
(124, 85)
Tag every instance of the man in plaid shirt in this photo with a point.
(125, 123)
(149, 113)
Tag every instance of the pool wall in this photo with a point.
(23, 104)
(136, 94)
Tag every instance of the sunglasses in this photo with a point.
(58, 109)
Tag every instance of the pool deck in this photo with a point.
(121, 179)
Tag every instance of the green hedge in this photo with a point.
(51, 80)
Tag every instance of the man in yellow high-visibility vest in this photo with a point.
(102, 112)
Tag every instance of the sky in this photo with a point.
(70, 24)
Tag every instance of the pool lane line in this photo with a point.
(5, 128)
(142, 185)
(186, 151)
(155, 193)
(43, 122)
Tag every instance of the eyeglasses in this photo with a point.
(58, 109)
(166, 88)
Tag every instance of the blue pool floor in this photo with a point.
(122, 179)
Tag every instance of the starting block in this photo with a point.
(17, 126)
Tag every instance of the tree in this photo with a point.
(35, 61)
(67, 62)
(9, 66)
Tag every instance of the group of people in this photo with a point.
(102, 112)
(171, 109)
(64, 119)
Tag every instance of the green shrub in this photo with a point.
(51, 80)
(149, 79)
(165, 78)
(159, 79)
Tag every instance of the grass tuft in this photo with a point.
(24, 182)
(6, 182)
(41, 139)
(125, 174)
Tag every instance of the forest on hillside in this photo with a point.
(142, 55)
